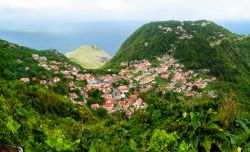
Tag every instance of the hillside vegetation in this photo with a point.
(192, 94)
(89, 57)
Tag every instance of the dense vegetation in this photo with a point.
(39, 120)
(42, 119)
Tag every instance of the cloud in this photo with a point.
(122, 10)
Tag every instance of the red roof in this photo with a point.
(188, 94)
(105, 95)
(202, 84)
(25, 80)
(123, 103)
(109, 104)
(55, 67)
(177, 76)
(139, 101)
(89, 79)
(123, 88)
(183, 86)
(177, 89)
(147, 80)
(183, 80)
(33, 78)
(131, 100)
(109, 99)
(164, 76)
(186, 73)
(87, 88)
(94, 106)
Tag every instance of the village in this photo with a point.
(141, 76)
(184, 34)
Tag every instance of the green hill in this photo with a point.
(14, 59)
(41, 117)
(90, 57)
(32, 116)
(198, 45)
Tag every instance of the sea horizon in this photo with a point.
(107, 35)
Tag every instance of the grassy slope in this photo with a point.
(89, 57)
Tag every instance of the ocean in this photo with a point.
(107, 35)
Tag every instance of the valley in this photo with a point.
(139, 77)
(172, 86)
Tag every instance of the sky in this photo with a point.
(44, 14)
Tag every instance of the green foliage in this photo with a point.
(11, 124)
(161, 81)
(101, 112)
(156, 115)
(162, 141)
(162, 126)
(38, 120)
(95, 97)
(59, 142)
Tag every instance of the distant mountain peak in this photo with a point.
(89, 56)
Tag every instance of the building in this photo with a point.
(25, 80)
(123, 89)
(94, 106)
(56, 79)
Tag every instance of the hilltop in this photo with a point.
(196, 44)
(89, 57)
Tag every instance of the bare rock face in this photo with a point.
(5, 148)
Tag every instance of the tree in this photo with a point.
(101, 112)
(162, 141)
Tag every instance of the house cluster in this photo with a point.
(166, 29)
(218, 39)
(205, 23)
(115, 98)
(179, 30)
(55, 67)
(184, 35)
(141, 75)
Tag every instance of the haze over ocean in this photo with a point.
(106, 35)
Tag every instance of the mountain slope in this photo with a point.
(39, 117)
(16, 61)
(89, 57)
(199, 44)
